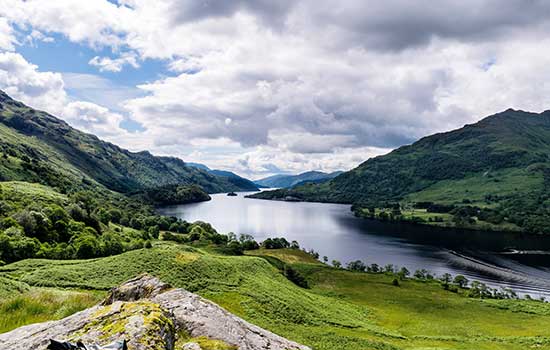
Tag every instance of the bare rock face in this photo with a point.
(149, 314)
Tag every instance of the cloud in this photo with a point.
(92, 118)
(46, 91)
(402, 24)
(256, 86)
(23, 81)
(270, 12)
(114, 65)
(7, 37)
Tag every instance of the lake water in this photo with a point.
(521, 262)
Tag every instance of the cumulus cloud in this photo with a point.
(22, 80)
(114, 64)
(257, 86)
(46, 91)
(7, 37)
(90, 117)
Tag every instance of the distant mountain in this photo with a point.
(38, 147)
(237, 180)
(286, 181)
(501, 163)
(243, 183)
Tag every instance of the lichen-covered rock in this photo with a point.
(191, 346)
(149, 315)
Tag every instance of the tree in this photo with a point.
(389, 268)
(421, 274)
(103, 216)
(374, 268)
(395, 282)
(85, 200)
(154, 232)
(460, 281)
(115, 215)
(336, 264)
(86, 246)
(325, 259)
(356, 265)
(446, 278)
(111, 244)
(248, 242)
(403, 273)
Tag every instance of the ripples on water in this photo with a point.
(520, 262)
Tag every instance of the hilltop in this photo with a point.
(500, 164)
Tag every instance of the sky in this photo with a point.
(261, 87)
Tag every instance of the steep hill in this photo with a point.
(501, 162)
(38, 147)
(285, 181)
(239, 181)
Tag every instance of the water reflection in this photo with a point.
(505, 259)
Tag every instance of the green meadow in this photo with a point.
(339, 310)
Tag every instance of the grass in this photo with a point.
(289, 256)
(342, 310)
(476, 187)
(43, 304)
(27, 193)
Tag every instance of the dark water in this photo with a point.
(521, 262)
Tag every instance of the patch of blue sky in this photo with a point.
(86, 82)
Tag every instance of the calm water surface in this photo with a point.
(521, 262)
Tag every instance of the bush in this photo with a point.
(356, 265)
(295, 277)
(275, 243)
(86, 246)
(395, 282)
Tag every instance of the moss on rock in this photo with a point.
(145, 325)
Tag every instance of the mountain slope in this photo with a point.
(241, 182)
(285, 181)
(501, 162)
(38, 147)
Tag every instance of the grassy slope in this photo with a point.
(26, 193)
(475, 187)
(343, 310)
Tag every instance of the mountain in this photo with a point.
(235, 179)
(38, 147)
(500, 164)
(198, 166)
(239, 181)
(285, 181)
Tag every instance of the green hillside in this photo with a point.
(500, 164)
(340, 309)
(37, 147)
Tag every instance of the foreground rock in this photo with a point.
(150, 314)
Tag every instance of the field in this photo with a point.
(341, 310)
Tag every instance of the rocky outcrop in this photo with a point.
(149, 314)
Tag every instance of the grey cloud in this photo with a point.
(400, 24)
(271, 12)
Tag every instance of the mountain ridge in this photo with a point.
(284, 181)
(33, 139)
